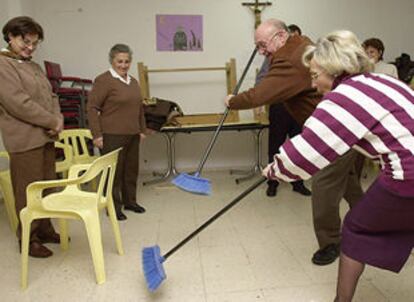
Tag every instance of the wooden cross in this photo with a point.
(257, 7)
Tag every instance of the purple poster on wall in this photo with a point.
(179, 32)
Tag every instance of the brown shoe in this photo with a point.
(51, 238)
(38, 250)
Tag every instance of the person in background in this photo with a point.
(116, 119)
(288, 81)
(375, 51)
(30, 120)
(372, 113)
(294, 30)
(281, 126)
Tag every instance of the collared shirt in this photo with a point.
(7, 52)
(117, 76)
(115, 108)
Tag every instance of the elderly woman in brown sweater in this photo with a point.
(116, 118)
(30, 120)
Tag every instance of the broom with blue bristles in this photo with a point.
(195, 183)
(152, 260)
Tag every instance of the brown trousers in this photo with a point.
(25, 168)
(338, 180)
(124, 190)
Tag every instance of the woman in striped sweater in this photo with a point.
(373, 114)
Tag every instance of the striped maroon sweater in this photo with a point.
(371, 113)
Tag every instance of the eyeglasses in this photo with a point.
(28, 43)
(263, 45)
(315, 75)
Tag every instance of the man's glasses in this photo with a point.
(263, 45)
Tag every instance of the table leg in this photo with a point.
(257, 168)
(171, 170)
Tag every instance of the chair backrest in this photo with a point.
(67, 162)
(78, 139)
(53, 70)
(103, 167)
(106, 181)
(54, 74)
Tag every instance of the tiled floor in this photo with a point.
(259, 251)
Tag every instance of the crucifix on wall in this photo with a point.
(257, 7)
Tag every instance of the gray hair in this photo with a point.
(277, 24)
(337, 53)
(119, 48)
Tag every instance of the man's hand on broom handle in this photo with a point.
(227, 100)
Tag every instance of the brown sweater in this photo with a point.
(115, 107)
(288, 81)
(28, 108)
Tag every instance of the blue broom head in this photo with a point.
(153, 270)
(193, 184)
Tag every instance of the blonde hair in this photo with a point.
(337, 53)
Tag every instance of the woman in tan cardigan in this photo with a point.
(30, 120)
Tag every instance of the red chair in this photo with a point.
(72, 92)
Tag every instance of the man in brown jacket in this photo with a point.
(288, 81)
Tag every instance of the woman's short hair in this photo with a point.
(337, 53)
(375, 43)
(119, 48)
(21, 26)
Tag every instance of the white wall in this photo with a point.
(4, 8)
(79, 34)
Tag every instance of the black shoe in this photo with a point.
(134, 208)
(121, 216)
(301, 189)
(271, 189)
(326, 255)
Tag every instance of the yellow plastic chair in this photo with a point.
(63, 166)
(8, 195)
(78, 138)
(73, 203)
(7, 188)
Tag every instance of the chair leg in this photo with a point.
(8, 197)
(26, 221)
(93, 231)
(63, 231)
(115, 226)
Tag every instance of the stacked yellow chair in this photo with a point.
(78, 139)
(74, 203)
(7, 188)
